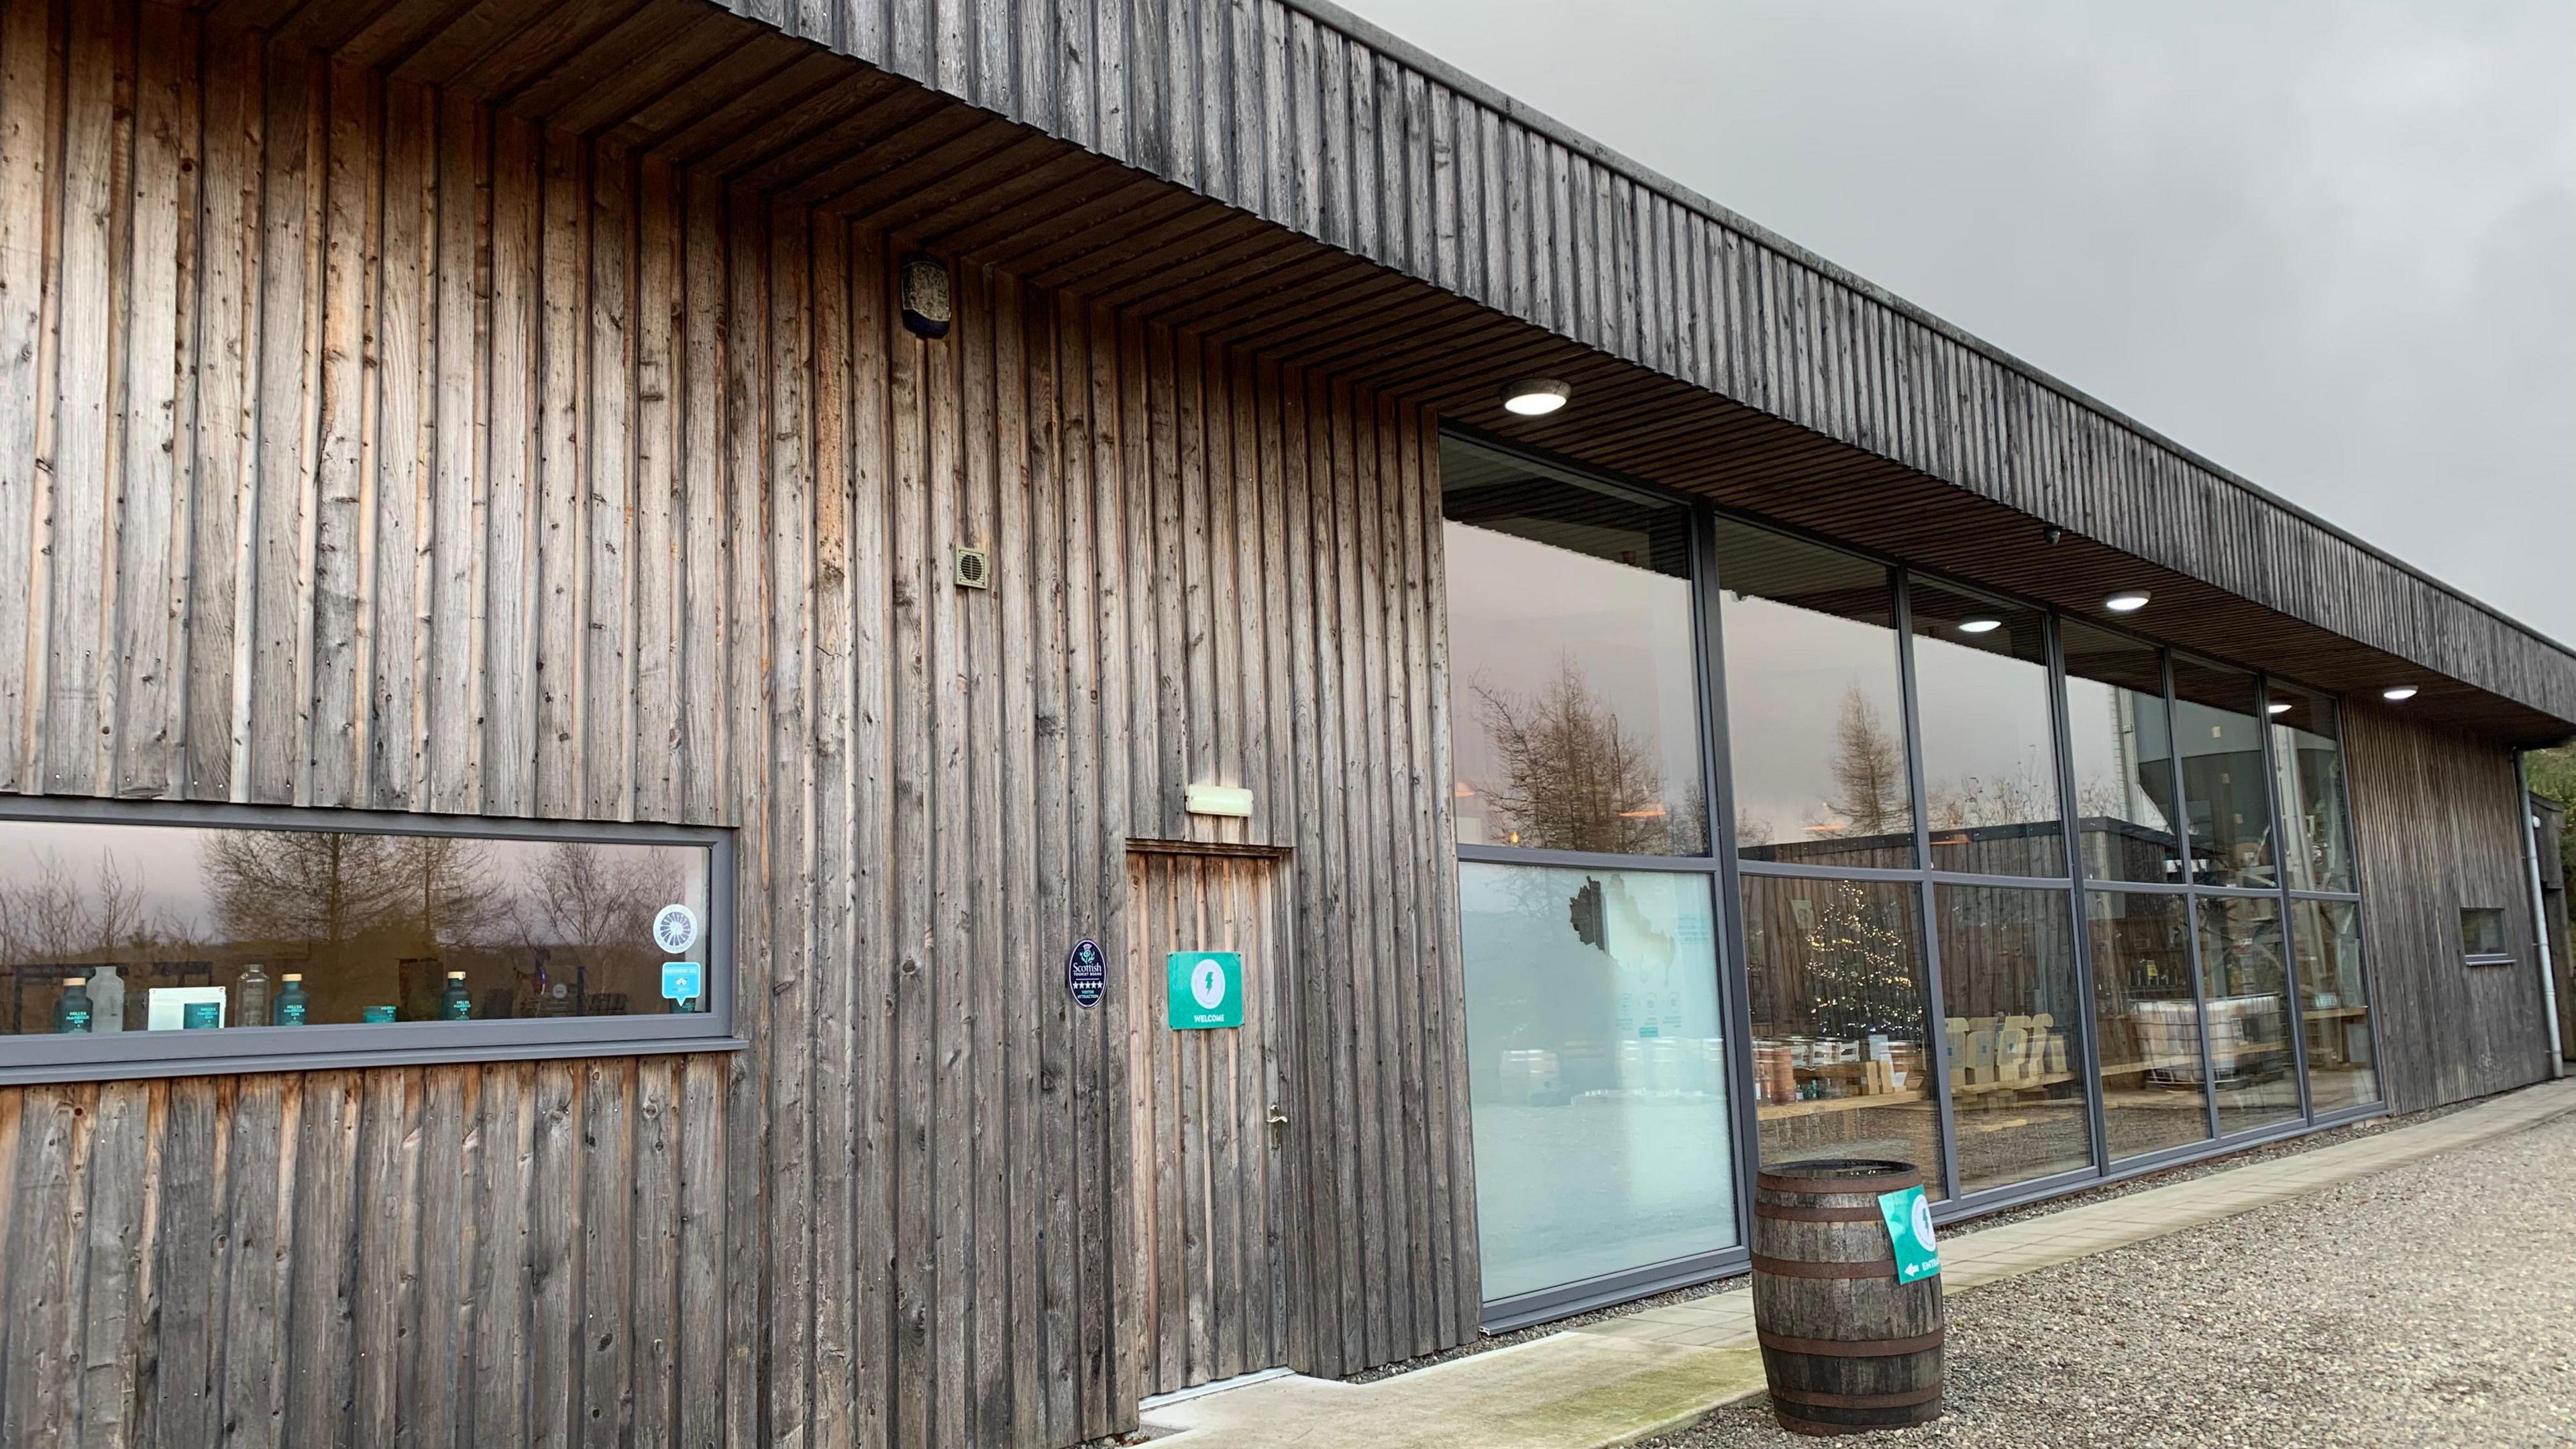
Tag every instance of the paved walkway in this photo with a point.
(1631, 1377)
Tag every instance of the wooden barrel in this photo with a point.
(1846, 1347)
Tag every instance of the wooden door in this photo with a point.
(1211, 1125)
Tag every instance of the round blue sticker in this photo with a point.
(1086, 974)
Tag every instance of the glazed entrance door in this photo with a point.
(1210, 1110)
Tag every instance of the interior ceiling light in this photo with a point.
(1979, 626)
(2398, 694)
(2127, 601)
(2278, 706)
(1536, 397)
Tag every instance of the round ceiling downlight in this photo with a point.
(1979, 626)
(2398, 694)
(1535, 397)
(2127, 601)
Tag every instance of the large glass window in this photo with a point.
(2334, 1004)
(1841, 1052)
(159, 944)
(2017, 1094)
(2122, 756)
(1575, 696)
(2146, 1021)
(1815, 712)
(1989, 753)
(1597, 1072)
(2226, 802)
(2250, 1060)
(2307, 759)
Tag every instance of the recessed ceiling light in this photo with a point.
(2127, 601)
(2398, 694)
(1536, 397)
(1979, 626)
(2278, 706)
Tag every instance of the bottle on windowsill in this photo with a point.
(456, 1003)
(250, 996)
(291, 1003)
(72, 1008)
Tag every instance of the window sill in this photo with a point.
(2491, 961)
(482, 1049)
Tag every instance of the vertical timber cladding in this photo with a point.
(2437, 816)
(362, 445)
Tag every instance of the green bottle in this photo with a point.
(290, 1005)
(72, 1010)
(456, 1003)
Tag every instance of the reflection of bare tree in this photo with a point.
(1869, 774)
(322, 888)
(596, 907)
(327, 890)
(50, 917)
(1572, 780)
(446, 885)
(2004, 800)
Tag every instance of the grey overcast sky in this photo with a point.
(2331, 245)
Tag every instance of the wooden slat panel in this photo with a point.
(2437, 818)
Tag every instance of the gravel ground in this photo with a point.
(2285, 1147)
(2425, 1306)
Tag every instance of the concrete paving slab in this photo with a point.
(1567, 1389)
(1628, 1378)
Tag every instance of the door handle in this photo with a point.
(1278, 1120)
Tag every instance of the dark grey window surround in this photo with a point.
(126, 1055)
(1723, 863)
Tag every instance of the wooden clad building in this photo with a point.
(502, 417)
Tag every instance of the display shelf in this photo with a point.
(1783, 1111)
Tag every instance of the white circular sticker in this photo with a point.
(1923, 1220)
(1207, 983)
(675, 929)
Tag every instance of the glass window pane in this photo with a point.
(2008, 977)
(2146, 1018)
(1815, 718)
(1989, 756)
(1574, 694)
(1597, 1072)
(2307, 755)
(2249, 1043)
(2123, 756)
(1839, 1048)
(172, 927)
(2334, 1004)
(2225, 802)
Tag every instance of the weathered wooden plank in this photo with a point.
(187, 1271)
(77, 431)
(344, 494)
(385, 1184)
(152, 563)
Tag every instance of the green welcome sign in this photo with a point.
(1909, 1234)
(1206, 989)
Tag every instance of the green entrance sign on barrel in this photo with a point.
(1909, 1233)
(1206, 989)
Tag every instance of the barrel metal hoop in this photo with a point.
(1838, 1186)
(1906, 1399)
(1820, 1429)
(1793, 1268)
(1849, 1347)
(1782, 1212)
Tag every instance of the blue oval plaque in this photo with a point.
(1086, 974)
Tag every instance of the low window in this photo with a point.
(157, 941)
(2482, 936)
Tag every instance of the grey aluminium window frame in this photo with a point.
(1727, 870)
(138, 1055)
